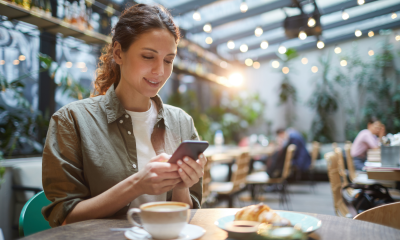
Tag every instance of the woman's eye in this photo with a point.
(169, 62)
(147, 57)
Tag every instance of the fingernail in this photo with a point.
(186, 159)
(180, 169)
(198, 161)
(201, 155)
(179, 162)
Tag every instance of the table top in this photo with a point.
(332, 228)
(228, 153)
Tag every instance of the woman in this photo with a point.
(366, 139)
(108, 153)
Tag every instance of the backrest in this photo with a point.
(336, 185)
(206, 179)
(341, 168)
(288, 161)
(27, 173)
(239, 176)
(314, 153)
(350, 164)
(31, 219)
(334, 145)
(387, 215)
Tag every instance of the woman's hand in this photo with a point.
(190, 171)
(157, 176)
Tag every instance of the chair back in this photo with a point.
(341, 168)
(239, 176)
(350, 164)
(314, 153)
(334, 145)
(31, 219)
(387, 215)
(341, 209)
(206, 180)
(288, 161)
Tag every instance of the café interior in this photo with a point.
(293, 109)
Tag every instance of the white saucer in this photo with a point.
(188, 232)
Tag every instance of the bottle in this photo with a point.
(74, 13)
(219, 138)
(67, 12)
(48, 8)
(26, 4)
(41, 6)
(82, 15)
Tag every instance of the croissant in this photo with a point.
(261, 213)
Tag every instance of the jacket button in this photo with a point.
(134, 165)
(126, 115)
(129, 132)
(121, 121)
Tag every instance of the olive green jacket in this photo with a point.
(90, 147)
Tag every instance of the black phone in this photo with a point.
(190, 149)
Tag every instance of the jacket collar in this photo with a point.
(115, 110)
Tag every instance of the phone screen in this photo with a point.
(190, 149)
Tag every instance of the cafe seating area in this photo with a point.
(199, 119)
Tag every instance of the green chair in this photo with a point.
(31, 219)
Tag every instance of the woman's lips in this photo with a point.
(152, 83)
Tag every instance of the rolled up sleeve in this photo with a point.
(62, 173)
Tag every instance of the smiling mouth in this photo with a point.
(155, 84)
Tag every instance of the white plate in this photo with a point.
(188, 232)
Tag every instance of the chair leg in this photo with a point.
(230, 201)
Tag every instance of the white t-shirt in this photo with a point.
(143, 124)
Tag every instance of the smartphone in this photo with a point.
(190, 149)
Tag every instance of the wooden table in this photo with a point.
(332, 228)
(383, 174)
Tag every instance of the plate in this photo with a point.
(308, 223)
(188, 232)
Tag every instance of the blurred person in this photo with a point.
(366, 139)
(108, 153)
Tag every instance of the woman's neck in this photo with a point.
(131, 99)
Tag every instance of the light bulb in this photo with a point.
(21, 57)
(196, 16)
(360, 2)
(314, 69)
(258, 32)
(304, 60)
(243, 7)
(285, 70)
(231, 44)
(207, 28)
(358, 33)
(264, 45)
(256, 65)
(275, 64)
(2, 62)
(320, 44)
(371, 33)
(16, 62)
(371, 52)
(68, 64)
(311, 22)
(343, 63)
(281, 49)
(248, 62)
(209, 40)
(338, 50)
(244, 48)
(345, 15)
(397, 37)
(302, 35)
(394, 15)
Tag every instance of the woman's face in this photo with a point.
(147, 64)
(375, 127)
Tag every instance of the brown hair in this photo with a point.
(133, 22)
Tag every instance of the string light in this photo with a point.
(358, 33)
(196, 16)
(314, 69)
(244, 48)
(22, 58)
(397, 38)
(16, 62)
(209, 40)
(345, 15)
(236, 79)
(207, 28)
(360, 2)
(311, 22)
(258, 32)
(2, 62)
(394, 15)
(243, 7)
(320, 44)
(338, 50)
(275, 64)
(264, 45)
(223, 64)
(248, 62)
(371, 52)
(371, 33)
(80, 65)
(231, 44)
(84, 69)
(256, 65)
(285, 70)
(302, 35)
(304, 60)
(68, 64)
(343, 63)
(281, 49)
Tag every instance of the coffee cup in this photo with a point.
(162, 220)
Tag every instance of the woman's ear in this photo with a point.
(117, 53)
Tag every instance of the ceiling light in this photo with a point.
(285, 70)
(275, 64)
(264, 45)
(338, 50)
(248, 62)
(360, 2)
(84, 69)
(371, 52)
(311, 22)
(397, 38)
(68, 64)
(371, 33)
(358, 33)
(231, 44)
(244, 48)
(16, 62)
(196, 16)
(209, 40)
(345, 15)
(236, 79)
(394, 15)
(302, 35)
(258, 32)
(223, 64)
(207, 28)
(243, 7)
(2, 62)
(256, 65)
(304, 60)
(21, 57)
(281, 49)
(314, 69)
(343, 63)
(320, 44)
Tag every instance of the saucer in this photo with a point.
(188, 232)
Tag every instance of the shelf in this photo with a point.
(50, 24)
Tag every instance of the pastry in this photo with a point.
(261, 213)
